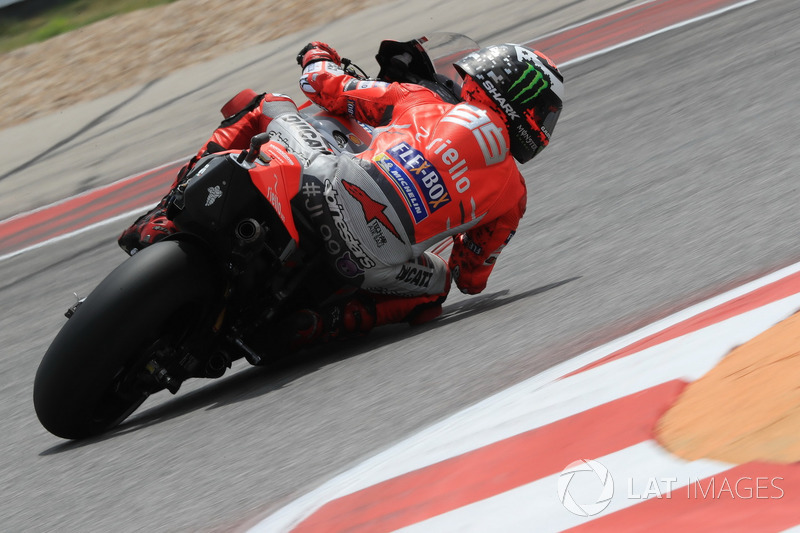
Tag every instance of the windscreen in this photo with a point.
(444, 49)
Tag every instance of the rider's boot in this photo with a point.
(148, 229)
(356, 317)
(415, 311)
(347, 319)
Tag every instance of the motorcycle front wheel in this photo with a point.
(153, 301)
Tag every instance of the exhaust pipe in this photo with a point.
(217, 364)
(248, 231)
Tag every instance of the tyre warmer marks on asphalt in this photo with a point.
(496, 465)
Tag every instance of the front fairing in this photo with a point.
(277, 177)
(343, 133)
(219, 193)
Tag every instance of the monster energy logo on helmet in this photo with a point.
(537, 84)
(524, 85)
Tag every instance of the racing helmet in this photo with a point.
(523, 86)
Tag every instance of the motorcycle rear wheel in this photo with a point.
(155, 298)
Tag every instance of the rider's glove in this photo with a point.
(148, 229)
(317, 51)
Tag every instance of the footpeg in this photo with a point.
(71, 310)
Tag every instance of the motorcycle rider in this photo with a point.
(433, 169)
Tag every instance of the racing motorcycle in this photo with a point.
(244, 257)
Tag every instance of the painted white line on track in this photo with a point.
(539, 402)
(537, 504)
(117, 218)
(545, 397)
(564, 64)
(595, 19)
(131, 177)
(129, 215)
(672, 27)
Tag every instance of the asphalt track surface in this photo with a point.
(672, 176)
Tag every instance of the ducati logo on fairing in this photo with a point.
(214, 194)
(307, 133)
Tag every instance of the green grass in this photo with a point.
(33, 21)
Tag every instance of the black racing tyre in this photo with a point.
(162, 292)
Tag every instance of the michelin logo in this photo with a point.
(427, 179)
(397, 174)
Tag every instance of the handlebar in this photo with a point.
(250, 155)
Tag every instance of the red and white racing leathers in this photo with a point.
(432, 170)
